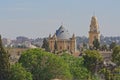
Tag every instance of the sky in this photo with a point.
(39, 18)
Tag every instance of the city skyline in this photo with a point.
(40, 18)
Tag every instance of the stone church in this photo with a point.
(62, 40)
(94, 32)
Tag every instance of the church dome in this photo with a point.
(62, 33)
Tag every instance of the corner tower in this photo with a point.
(94, 32)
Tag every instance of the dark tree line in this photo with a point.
(4, 63)
(46, 45)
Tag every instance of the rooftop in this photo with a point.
(62, 33)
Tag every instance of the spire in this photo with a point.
(94, 31)
(94, 24)
(49, 35)
(54, 36)
(73, 36)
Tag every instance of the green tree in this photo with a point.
(116, 73)
(112, 45)
(116, 55)
(107, 74)
(46, 45)
(96, 44)
(113, 74)
(4, 63)
(92, 60)
(19, 73)
(77, 68)
(55, 47)
(44, 65)
(104, 47)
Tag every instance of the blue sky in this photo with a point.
(39, 18)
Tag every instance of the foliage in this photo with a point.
(92, 60)
(96, 44)
(112, 45)
(116, 73)
(44, 65)
(46, 45)
(19, 73)
(116, 55)
(4, 63)
(103, 47)
(77, 68)
(106, 73)
(111, 74)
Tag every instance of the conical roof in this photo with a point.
(94, 22)
(62, 33)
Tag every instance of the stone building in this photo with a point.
(62, 41)
(94, 32)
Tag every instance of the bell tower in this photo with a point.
(94, 32)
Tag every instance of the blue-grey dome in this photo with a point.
(62, 33)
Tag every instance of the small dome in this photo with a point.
(62, 33)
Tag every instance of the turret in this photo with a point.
(49, 36)
(73, 36)
(54, 36)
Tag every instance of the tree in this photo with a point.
(104, 47)
(19, 73)
(55, 47)
(45, 45)
(113, 74)
(45, 66)
(92, 60)
(77, 68)
(107, 74)
(96, 44)
(4, 63)
(84, 45)
(116, 73)
(112, 45)
(116, 55)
